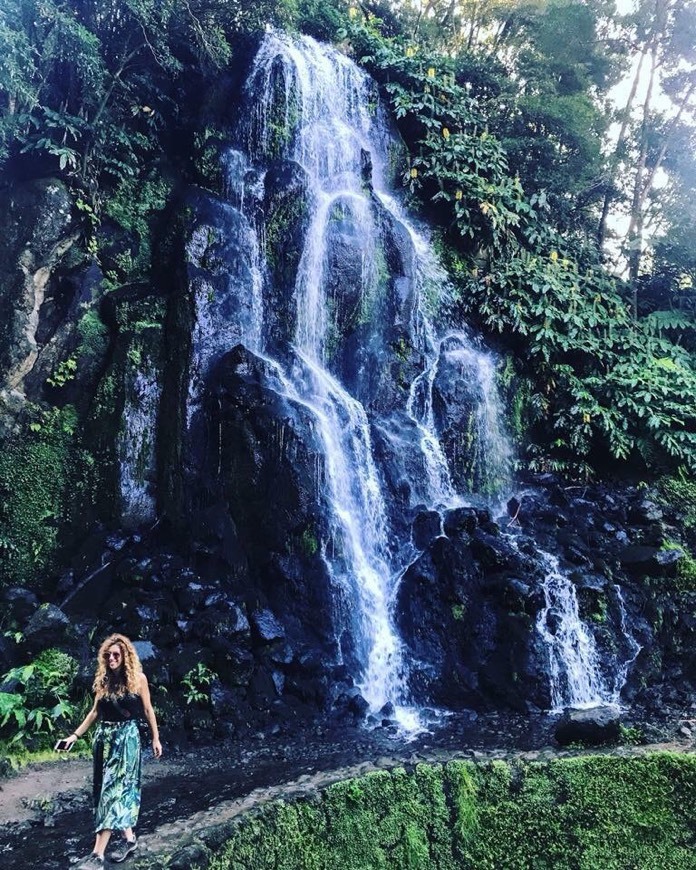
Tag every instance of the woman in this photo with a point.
(121, 696)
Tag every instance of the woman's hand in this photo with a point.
(156, 747)
(66, 744)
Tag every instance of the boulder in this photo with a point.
(267, 626)
(49, 627)
(593, 727)
(19, 603)
(463, 520)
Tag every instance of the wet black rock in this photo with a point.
(267, 626)
(358, 705)
(269, 444)
(49, 627)
(646, 511)
(594, 727)
(493, 551)
(668, 557)
(18, 603)
(426, 527)
(640, 559)
(461, 520)
(286, 214)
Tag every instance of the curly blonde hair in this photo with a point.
(128, 678)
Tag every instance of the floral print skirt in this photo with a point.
(117, 765)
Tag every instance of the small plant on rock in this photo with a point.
(197, 684)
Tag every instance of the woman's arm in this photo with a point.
(150, 716)
(83, 727)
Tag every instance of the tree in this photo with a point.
(663, 33)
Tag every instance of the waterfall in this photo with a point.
(488, 451)
(573, 660)
(632, 652)
(359, 522)
(575, 673)
(314, 113)
(136, 446)
(491, 444)
(312, 109)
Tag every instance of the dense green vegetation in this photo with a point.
(584, 813)
(505, 141)
(504, 112)
(45, 481)
(38, 702)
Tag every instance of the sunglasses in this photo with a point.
(112, 655)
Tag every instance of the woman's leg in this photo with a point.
(101, 843)
(119, 798)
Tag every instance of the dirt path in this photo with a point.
(46, 816)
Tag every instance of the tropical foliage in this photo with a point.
(568, 224)
(36, 699)
(507, 159)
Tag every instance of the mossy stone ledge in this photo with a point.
(588, 812)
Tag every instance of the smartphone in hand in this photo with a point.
(62, 746)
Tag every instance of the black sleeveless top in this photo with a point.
(120, 708)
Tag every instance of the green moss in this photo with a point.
(458, 611)
(685, 577)
(283, 117)
(46, 479)
(93, 334)
(134, 205)
(309, 542)
(586, 813)
(686, 574)
(679, 493)
(282, 239)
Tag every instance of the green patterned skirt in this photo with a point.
(116, 755)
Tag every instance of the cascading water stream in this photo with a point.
(574, 672)
(441, 492)
(136, 447)
(328, 131)
(310, 108)
(633, 650)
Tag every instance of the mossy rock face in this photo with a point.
(467, 420)
(266, 443)
(47, 483)
(370, 303)
(587, 813)
(272, 131)
(286, 213)
(35, 228)
(123, 422)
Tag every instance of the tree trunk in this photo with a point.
(618, 149)
(634, 237)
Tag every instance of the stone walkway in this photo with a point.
(192, 801)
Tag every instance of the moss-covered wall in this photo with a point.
(589, 813)
(46, 481)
